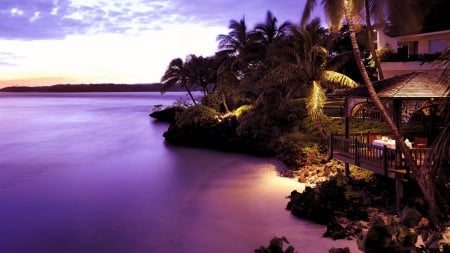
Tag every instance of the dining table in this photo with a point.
(390, 144)
(381, 143)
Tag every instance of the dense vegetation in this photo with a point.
(264, 93)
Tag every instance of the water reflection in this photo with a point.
(91, 173)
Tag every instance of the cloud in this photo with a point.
(55, 19)
(9, 59)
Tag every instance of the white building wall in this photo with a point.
(423, 47)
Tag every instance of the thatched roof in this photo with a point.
(411, 85)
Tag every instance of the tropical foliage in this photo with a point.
(348, 10)
(273, 66)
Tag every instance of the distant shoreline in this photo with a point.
(102, 87)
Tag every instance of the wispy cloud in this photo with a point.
(9, 59)
(55, 19)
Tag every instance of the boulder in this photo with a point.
(168, 114)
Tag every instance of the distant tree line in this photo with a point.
(107, 87)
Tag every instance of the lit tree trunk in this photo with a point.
(322, 131)
(370, 36)
(315, 107)
(224, 102)
(425, 184)
(190, 94)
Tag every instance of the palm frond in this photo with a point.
(282, 74)
(444, 61)
(309, 7)
(316, 101)
(338, 79)
(337, 61)
(334, 12)
(168, 84)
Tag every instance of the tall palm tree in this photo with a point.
(242, 44)
(236, 40)
(335, 12)
(346, 9)
(427, 187)
(444, 60)
(304, 62)
(201, 71)
(438, 163)
(368, 6)
(269, 32)
(177, 74)
(226, 78)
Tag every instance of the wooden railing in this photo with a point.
(380, 160)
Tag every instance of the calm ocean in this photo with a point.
(90, 172)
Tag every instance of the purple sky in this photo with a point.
(47, 41)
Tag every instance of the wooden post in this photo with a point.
(356, 152)
(331, 146)
(346, 132)
(398, 191)
(385, 160)
(397, 112)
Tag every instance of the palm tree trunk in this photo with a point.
(370, 36)
(322, 131)
(190, 94)
(224, 102)
(424, 183)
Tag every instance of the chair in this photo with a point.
(420, 142)
(374, 136)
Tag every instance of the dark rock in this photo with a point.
(276, 246)
(168, 114)
(339, 250)
(335, 231)
(378, 239)
(410, 217)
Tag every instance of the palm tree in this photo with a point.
(269, 32)
(303, 61)
(227, 82)
(177, 74)
(444, 60)
(242, 44)
(201, 71)
(427, 187)
(368, 6)
(438, 163)
(346, 9)
(335, 12)
(237, 40)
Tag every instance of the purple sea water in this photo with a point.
(90, 172)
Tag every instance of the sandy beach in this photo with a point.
(240, 207)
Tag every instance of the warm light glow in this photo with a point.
(241, 110)
(104, 58)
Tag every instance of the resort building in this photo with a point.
(408, 53)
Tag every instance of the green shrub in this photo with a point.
(197, 115)
(212, 100)
(258, 123)
(242, 110)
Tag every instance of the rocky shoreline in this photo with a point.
(357, 208)
(360, 207)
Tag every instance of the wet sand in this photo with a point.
(240, 207)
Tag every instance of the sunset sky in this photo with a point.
(45, 42)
